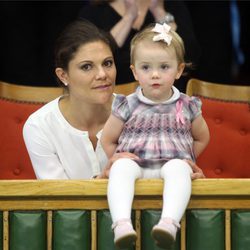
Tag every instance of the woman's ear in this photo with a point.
(132, 67)
(181, 68)
(62, 75)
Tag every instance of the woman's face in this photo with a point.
(91, 73)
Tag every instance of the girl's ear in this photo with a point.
(181, 68)
(62, 75)
(132, 67)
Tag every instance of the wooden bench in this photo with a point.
(61, 214)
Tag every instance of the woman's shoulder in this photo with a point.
(44, 111)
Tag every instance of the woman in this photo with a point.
(62, 137)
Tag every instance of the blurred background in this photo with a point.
(29, 28)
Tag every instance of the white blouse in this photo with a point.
(59, 151)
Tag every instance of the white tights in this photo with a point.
(176, 194)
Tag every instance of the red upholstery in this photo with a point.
(14, 160)
(228, 153)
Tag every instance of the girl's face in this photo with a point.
(156, 68)
(91, 73)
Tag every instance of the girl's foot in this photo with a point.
(164, 233)
(124, 233)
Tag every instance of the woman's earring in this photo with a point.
(65, 83)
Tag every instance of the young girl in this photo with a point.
(162, 127)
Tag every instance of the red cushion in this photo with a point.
(228, 152)
(14, 161)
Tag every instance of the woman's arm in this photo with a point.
(200, 134)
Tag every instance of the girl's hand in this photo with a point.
(116, 156)
(197, 172)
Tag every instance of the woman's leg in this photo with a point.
(121, 186)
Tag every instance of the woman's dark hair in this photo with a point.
(76, 34)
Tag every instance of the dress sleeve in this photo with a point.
(195, 107)
(120, 107)
(45, 162)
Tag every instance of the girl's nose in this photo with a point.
(155, 74)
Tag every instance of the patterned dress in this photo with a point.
(156, 132)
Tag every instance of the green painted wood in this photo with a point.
(149, 218)
(1, 230)
(28, 230)
(71, 230)
(205, 229)
(105, 240)
(240, 229)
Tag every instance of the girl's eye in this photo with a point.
(108, 63)
(145, 67)
(164, 66)
(86, 67)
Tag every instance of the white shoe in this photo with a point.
(124, 233)
(164, 233)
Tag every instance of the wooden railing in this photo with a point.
(51, 195)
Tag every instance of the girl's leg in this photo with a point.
(177, 188)
(121, 186)
(176, 195)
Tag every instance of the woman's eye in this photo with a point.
(86, 67)
(108, 63)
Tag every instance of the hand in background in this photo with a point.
(131, 8)
(156, 7)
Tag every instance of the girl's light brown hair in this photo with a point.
(147, 34)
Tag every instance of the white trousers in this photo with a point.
(176, 193)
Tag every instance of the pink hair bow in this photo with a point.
(163, 30)
(179, 115)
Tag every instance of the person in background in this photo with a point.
(124, 18)
(162, 127)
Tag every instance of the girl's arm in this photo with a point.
(110, 135)
(200, 134)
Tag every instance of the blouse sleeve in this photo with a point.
(120, 107)
(195, 107)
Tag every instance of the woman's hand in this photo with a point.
(197, 172)
(116, 156)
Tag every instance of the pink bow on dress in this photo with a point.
(179, 115)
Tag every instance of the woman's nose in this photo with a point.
(101, 73)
